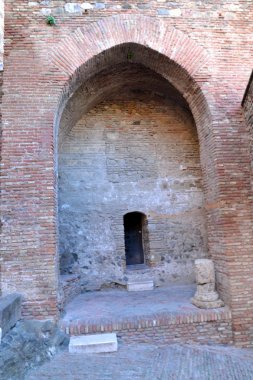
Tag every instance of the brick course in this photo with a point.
(204, 327)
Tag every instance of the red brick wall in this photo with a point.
(205, 327)
(204, 333)
(204, 50)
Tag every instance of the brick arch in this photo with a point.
(110, 81)
(162, 48)
(91, 49)
(87, 42)
(30, 218)
(168, 52)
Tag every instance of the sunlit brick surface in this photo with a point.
(203, 49)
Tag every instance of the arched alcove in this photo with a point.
(72, 66)
(128, 141)
(61, 68)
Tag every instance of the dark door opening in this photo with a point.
(133, 238)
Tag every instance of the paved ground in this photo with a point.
(145, 362)
(142, 361)
(118, 304)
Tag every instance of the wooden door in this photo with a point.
(133, 238)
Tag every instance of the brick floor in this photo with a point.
(149, 362)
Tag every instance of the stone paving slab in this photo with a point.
(149, 362)
(93, 343)
(140, 285)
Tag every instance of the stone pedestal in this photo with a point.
(206, 296)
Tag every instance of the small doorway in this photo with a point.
(133, 226)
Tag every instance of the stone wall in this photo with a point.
(247, 104)
(70, 287)
(139, 154)
(28, 345)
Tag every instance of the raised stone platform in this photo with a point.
(93, 343)
(162, 316)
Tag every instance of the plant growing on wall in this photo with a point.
(130, 55)
(51, 20)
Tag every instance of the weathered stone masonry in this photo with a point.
(203, 50)
(128, 155)
(247, 104)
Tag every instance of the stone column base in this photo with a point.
(207, 304)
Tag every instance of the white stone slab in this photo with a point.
(93, 343)
(137, 286)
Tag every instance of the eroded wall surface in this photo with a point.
(123, 156)
(248, 106)
(1, 32)
(248, 114)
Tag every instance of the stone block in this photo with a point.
(136, 286)
(93, 343)
(87, 6)
(204, 269)
(206, 296)
(45, 11)
(163, 12)
(10, 311)
(72, 8)
(100, 5)
(175, 12)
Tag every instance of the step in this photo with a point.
(140, 285)
(93, 343)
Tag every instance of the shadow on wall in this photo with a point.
(137, 150)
